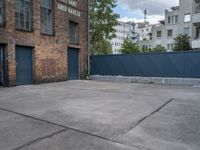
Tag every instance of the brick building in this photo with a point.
(42, 40)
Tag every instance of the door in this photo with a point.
(24, 66)
(2, 66)
(73, 64)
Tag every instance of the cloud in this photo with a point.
(153, 7)
(153, 19)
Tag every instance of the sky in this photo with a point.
(133, 10)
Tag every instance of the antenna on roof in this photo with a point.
(145, 16)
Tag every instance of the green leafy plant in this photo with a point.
(182, 43)
(102, 23)
(129, 47)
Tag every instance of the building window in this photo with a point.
(169, 20)
(159, 34)
(1, 12)
(46, 17)
(187, 18)
(169, 33)
(187, 31)
(197, 33)
(170, 46)
(197, 7)
(23, 14)
(173, 19)
(176, 19)
(73, 33)
(150, 36)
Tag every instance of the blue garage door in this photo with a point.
(24, 66)
(73, 64)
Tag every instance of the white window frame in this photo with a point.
(187, 18)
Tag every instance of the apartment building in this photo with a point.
(42, 40)
(182, 19)
(196, 24)
(144, 31)
(123, 30)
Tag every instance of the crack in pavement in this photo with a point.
(39, 139)
(65, 129)
(135, 124)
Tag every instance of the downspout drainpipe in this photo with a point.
(88, 71)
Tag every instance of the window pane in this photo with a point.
(73, 33)
(187, 31)
(159, 34)
(23, 14)
(176, 19)
(187, 18)
(46, 3)
(1, 11)
(169, 33)
(46, 17)
(169, 20)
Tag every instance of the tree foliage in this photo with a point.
(102, 23)
(182, 43)
(129, 47)
(159, 48)
(103, 47)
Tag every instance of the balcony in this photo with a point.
(196, 44)
(196, 18)
(197, 1)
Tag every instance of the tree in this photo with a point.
(128, 47)
(159, 48)
(102, 23)
(182, 43)
(103, 47)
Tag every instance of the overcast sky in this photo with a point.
(134, 9)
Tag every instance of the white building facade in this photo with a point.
(196, 24)
(123, 30)
(182, 19)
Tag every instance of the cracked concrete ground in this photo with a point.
(91, 115)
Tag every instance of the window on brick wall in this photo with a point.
(46, 17)
(73, 33)
(23, 14)
(2, 12)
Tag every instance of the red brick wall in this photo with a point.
(49, 51)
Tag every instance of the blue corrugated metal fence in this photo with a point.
(174, 64)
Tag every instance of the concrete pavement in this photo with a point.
(84, 115)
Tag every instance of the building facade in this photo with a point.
(42, 41)
(123, 30)
(182, 19)
(144, 31)
(196, 24)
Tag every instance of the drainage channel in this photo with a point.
(65, 128)
(135, 124)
